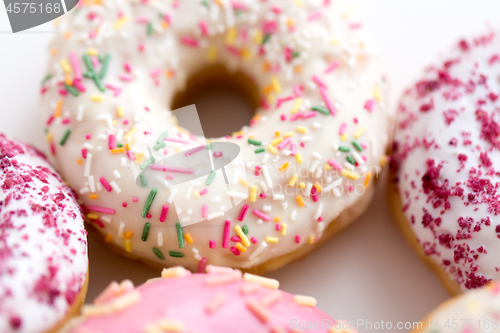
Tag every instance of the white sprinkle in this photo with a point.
(318, 173)
(235, 176)
(123, 162)
(319, 211)
(159, 236)
(348, 165)
(99, 186)
(195, 183)
(92, 184)
(267, 177)
(335, 146)
(186, 219)
(189, 192)
(306, 138)
(195, 250)
(106, 219)
(293, 215)
(319, 227)
(329, 187)
(79, 115)
(222, 208)
(173, 192)
(357, 158)
(284, 205)
(107, 119)
(88, 164)
(237, 195)
(121, 229)
(309, 186)
(267, 208)
(214, 215)
(257, 251)
(278, 197)
(115, 187)
(314, 165)
(197, 257)
(178, 211)
(337, 192)
(117, 174)
(316, 125)
(216, 199)
(119, 134)
(263, 186)
(373, 147)
(265, 158)
(88, 146)
(99, 148)
(84, 190)
(161, 181)
(259, 221)
(316, 156)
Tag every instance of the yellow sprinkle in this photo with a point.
(272, 149)
(343, 137)
(171, 326)
(367, 179)
(245, 54)
(128, 234)
(120, 22)
(120, 150)
(289, 134)
(271, 239)
(349, 174)
(93, 216)
(377, 94)
(263, 281)
(302, 185)
(93, 196)
(79, 161)
(359, 132)
(300, 201)
(119, 112)
(327, 166)
(54, 51)
(383, 161)
(128, 245)
(97, 98)
(276, 84)
(276, 141)
(196, 193)
(139, 160)
(293, 180)
(68, 80)
(277, 133)
(311, 239)
(253, 193)
(65, 66)
(298, 158)
(92, 52)
(58, 111)
(240, 247)
(283, 229)
(305, 300)
(334, 41)
(176, 271)
(242, 235)
(49, 136)
(243, 182)
(296, 105)
(189, 238)
(301, 129)
(108, 238)
(131, 132)
(257, 38)
(318, 187)
(277, 219)
(231, 36)
(284, 166)
(212, 53)
(298, 3)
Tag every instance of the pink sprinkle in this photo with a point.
(111, 141)
(128, 68)
(284, 143)
(277, 10)
(319, 82)
(95, 61)
(142, 19)
(302, 144)
(293, 148)
(295, 117)
(134, 199)
(309, 114)
(225, 235)
(105, 183)
(188, 41)
(314, 16)
(315, 197)
(66, 121)
(355, 25)
(141, 47)
(351, 188)
(333, 65)
(168, 19)
(169, 176)
(297, 90)
(329, 104)
(125, 122)
(355, 120)
(204, 211)
(234, 51)
(84, 153)
(76, 65)
(283, 117)
(171, 168)
(79, 85)
(278, 227)
(269, 27)
(131, 156)
(243, 212)
(263, 195)
(194, 150)
(363, 145)
(297, 239)
(177, 140)
(320, 219)
(99, 223)
(148, 216)
(52, 148)
(342, 128)
(217, 153)
(101, 210)
(126, 77)
(235, 251)
(204, 191)
(238, 6)
(124, 204)
(334, 164)
(235, 239)
(370, 104)
(282, 100)
(63, 92)
(201, 265)
(50, 120)
(88, 137)
(211, 244)
(155, 72)
(164, 212)
(204, 29)
(254, 240)
(261, 215)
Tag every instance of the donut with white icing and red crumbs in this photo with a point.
(305, 165)
(43, 243)
(221, 301)
(446, 164)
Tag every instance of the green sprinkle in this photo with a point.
(88, 63)
(105, 65)
(159, 146)
(65, 137)
(321, 109)
(46, 130)
(245, 229)
(144, 181)
(99, 56)
(180, 236)
(345, 149)
(266, 38)
(145, 231)
(148, 203)
(260, 150)
(97, 81)
(254, 142)
(150, 28)
(46, 78)
(205, 3)
(295, 54)
(119, 145)
(208, 147)
(158, 253)
(210, 178)
(147, 163)
(176, 254)
(71, 90)
(161, 15)
(357, 146)
(350, 160)
(162, 137)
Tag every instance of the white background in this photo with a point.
(368, 272)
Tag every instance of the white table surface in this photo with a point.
(368, 272)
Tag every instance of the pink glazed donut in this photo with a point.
(222, 300)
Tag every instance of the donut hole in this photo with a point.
(225, 100)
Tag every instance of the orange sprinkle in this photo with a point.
(118, 150)
(79, 161)
(57, 113)
(93, 196)
(300, 201)
(54, 51)
(367, 179)
(68, 80)
(128, 234)
(127, 146)
(318, 187)
(277, 219)
(284, 166)
(164, 24)
(189, 238)
(108, 238)
(298, 69)
(67, 34)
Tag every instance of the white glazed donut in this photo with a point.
(323, 126)
(445, 164)
(43, 244)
